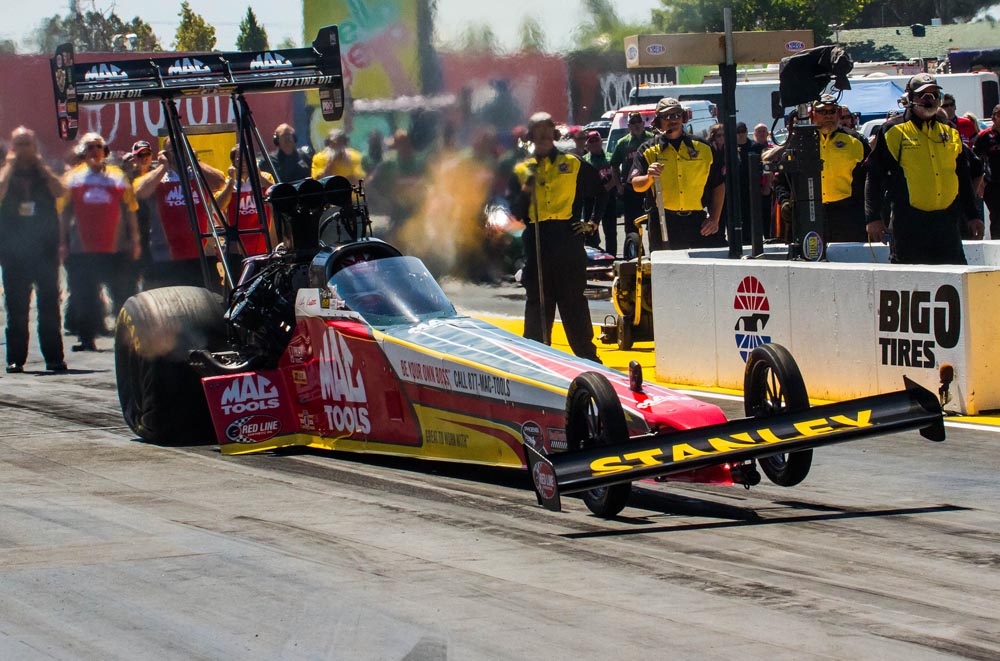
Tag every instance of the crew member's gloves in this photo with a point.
(787, 213)
(584, 227)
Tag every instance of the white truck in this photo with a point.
(872, 95)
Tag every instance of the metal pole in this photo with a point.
(538, 263)
(727, 72)
(756, 220)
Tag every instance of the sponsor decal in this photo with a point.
(545, 479)
(175, 196)
(755, 311)
(441, 437)
(794, 46)
(564, 168)
(187, 66)
(913, 324)
(531, 432)
(557, 438)
(61, 80)
(812, 247)
(249, 393)
(723, 444)
(253, 429)
(840, 144)
(632, 53)
(248, 207)
(303, 81)
(480, 383)
(269, 60)
(343, 385)
(299, 377)
(656, 49)
(102, 72)
(434, 375)
(110, 95)
(307, 421)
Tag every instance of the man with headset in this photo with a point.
(843, 153)
(547, 191)
(289, 163)
(688, 174)
(919, 168)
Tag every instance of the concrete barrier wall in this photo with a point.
(854, 328)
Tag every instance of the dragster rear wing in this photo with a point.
(171, 76)
(655, 455)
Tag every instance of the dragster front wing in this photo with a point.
(659, 454)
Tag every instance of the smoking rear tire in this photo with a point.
(772, 384)
(161, 396)
(594, 418)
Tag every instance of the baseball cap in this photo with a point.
(827, 100)
(539, 118)
(593, 136)
(140, 146)
(666, 104)
(634, 117)
(921, 83)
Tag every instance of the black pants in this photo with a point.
(88, 272)
(564, 277)
(683, 232)
(609, 225)
(926, 237)
(844, 221)
(21, 273)
(634, 206)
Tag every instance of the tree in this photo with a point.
(867, 51)
(94, 30)
(707, 16)
(8, 47)
(603, 30)
(532, 36)
(480, 38)
(287, 42)
(886, 13)
(193, 33)
(252, 37)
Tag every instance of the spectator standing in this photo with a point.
(622, 157)
(987, 148)
(547, 192)
(338, 159)
(579, 136)
(598, 159)
(99, 232)
(399, 182)
(376, 151)
(843, 153)
(29, 252)
(290, 164)
(175, 253)
(688, 174)
(848, 120)
(243, 213)
(919, 164)
(966, 127)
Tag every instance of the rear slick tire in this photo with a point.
(594, 418)
(772, 384)
(161, 395)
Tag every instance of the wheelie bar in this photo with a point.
(659, 454)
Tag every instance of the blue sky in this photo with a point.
(558, 16)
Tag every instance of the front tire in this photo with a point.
(772, 384)
(161, 396)
(594, 418)
(632, 246)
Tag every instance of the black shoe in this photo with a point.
(85, 345)
(14, 368)
(56, 367)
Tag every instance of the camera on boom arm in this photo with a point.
(803, 78)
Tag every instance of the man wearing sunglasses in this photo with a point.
(919, 169)
(843, 153)
(688, 174)
(99, 233)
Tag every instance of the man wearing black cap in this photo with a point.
(688, 175)
(547, 191)
(843, 153)
(622, 155)
(918, 164)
